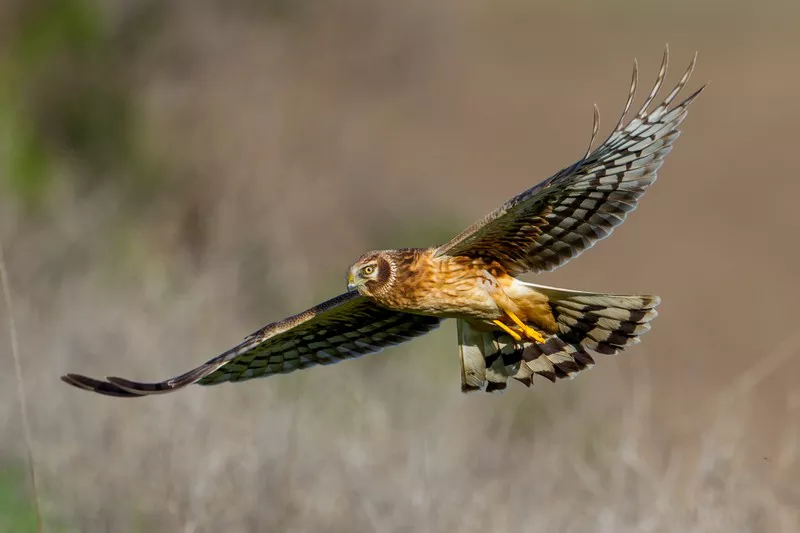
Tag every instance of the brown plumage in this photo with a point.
(416, 280)
(506, 327)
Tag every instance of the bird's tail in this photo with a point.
(602, 323)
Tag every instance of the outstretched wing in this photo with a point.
(554, 221)
(344, 327)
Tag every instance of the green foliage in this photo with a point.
(25, 162)
(17, 511)
(45, 31)
(52, 27)
(66, 99)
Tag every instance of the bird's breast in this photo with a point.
(446, 287)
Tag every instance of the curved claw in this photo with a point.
(530, 333)
(514, 334)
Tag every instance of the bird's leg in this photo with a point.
(492, 286)
(514, 334)
(529, 332)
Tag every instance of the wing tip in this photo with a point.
(595, 129)
(98, 386)
(133, 387)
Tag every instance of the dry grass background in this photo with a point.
(288, 137)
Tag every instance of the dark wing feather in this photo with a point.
(554, 221)
(344, 327)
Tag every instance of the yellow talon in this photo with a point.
(508, 330)
(529, 332)
(533, 335)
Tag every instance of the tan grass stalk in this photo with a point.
(23, 408)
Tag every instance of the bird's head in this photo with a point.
(371, 274)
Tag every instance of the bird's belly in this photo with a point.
(532, 305)
(450, 289)
(466, 300)
(482, 301)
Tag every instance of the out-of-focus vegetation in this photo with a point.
(65, 101)
(17, 514)
(175, 175)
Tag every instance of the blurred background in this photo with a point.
(175, 175)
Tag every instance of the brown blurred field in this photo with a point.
(213, 166)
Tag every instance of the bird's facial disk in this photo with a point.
(361, 273)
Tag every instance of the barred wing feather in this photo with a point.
(344, 327)
(554, 221)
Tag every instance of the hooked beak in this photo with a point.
(351, 282)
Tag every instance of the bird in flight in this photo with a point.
(507, 328)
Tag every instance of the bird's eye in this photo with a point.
(368, 270)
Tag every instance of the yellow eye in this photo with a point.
(368, 270)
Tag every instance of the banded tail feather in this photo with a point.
(596, 322)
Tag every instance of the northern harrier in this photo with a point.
(506, 327)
